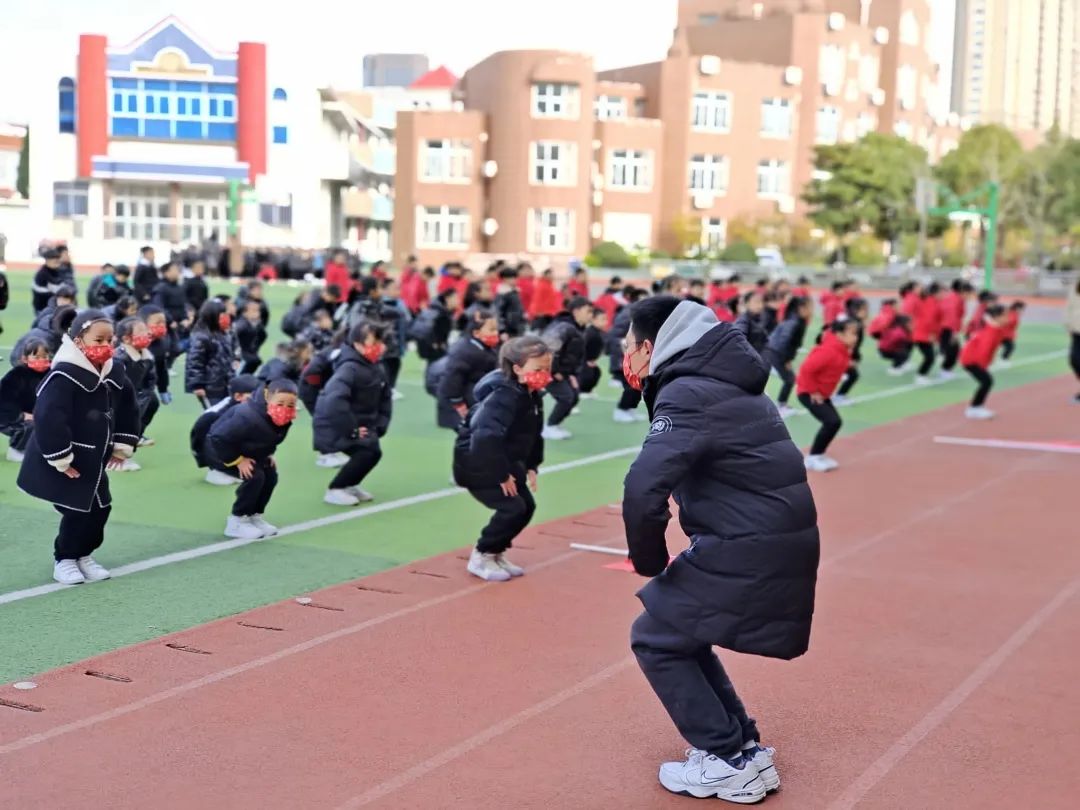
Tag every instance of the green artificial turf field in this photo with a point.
(166, 508)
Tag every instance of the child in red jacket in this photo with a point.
(818, 377)
(894, 345)
(953, 307)
(883, 320)
(977, 356)
(986, 299)
(927, 330)
(1009, 330)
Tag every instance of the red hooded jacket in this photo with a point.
(526, 289)
(894, 339)
(546, 301)
(981, 347)
(722, 293)
(953, 307)
(575, 288)
(824, 367)
(1012, 324)
(414, 290)
(882, 321)
(610, 303)
(832, 305)
(909, 304)
(927, 320)
(338, 274)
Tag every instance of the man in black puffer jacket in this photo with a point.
(566, 337)
(718, 446)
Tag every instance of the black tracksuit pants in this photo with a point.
(1074, 353)
(786, 375)
(927, 351)
(950, 349)
(363, 458)
(80, 533)
(1008, 346)
(985, 381)
(691, 683)
(830, 423)
(897, 358)
(19, 434)
(511, 516)
(565, 396)
(253, 495)
(850, 378)
(393, 369)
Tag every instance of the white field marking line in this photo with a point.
(470, 744)
(329, 520)
(615, 552)
(881, 767)
(1005, 444)
(247, 666)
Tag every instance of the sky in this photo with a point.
(326, 43)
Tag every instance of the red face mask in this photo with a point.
(491, 341)
(280, 415)
(99, 354)
(158, 331)
(224, 321)
(141, 342)
(373, 352)
(537, 380)
(633, 378)
(39, 364)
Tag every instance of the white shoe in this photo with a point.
(263, 526)
(817, 464)
(841, 400)
(589, 395)
(614, 384)
(624, 417)
(331, 460)
(896, 371)
(67, 572)
(576, 411)
(146, 441)
(487, 567)
(554, 433)
(921, 379)
(509, 567)
(762, 758)
(15, 455)
(242, 528)
(979, 413)
(906, 368)
(361, 495)
(640, 417)
(1003, 363)
(220, 479)
(705, 776)
(340, 497)
(946, 376)
(92, 571)
(173, 372)
(830, 463)
(786, 411)
(129, 466)
(395, 395)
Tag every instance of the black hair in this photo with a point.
(333, 290)
(889, 302)
(598, 311)
(65, 291)
(577, 302)
(931, 289)
(746, 296)
(367, 285)
(1016, 306)
(796, 303)
(836, 286)
(986, 296)
(903, 321)
(145, 249)
(803, 281)
(580, 270)
(120, 270)
(478, 316)
(63, 318)
(254, 284)
(33, 345)
(519, 351)
(507, 273)
(428, 272)
(282, 385)
(125, 328)
(165, 268)
(387, 282)
(209, 313)
(251, 302)
(615, 280)
(995, 311)
(360, 332)
(907, 287)
(51, 253)
(290, 351)
(105, 268)
(697, 282)
(853, 305)
(320, 312)
(842, 324)
(85, 320)
(243, 384)
(646, 317)
(634, 294)
(734, 278)
(959, 285)
(146, 310)
(444, 296)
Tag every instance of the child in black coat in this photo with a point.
(132, 350)
(241, 388)
(195, 290)
(595, 342)
(751, 321)
(292, 358)
(320, 331)
(86, 420)
(212, 356)
(500, 449)
(250, 335)
(244, 440)
(18, 393)
(156, 323)
(353, 413)
(783, 347)
(468, 361)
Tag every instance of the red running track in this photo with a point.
(942, 672)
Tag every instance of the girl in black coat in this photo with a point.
(86, 420)
(18, 393)
(292, 358)
(52, 337)
(783, 346)
(250, 335)
(133, 350)
(499, 451)
(169, 295)
(353, 413)
(244, 441)
(212, 356)
(751, 321)
(469, 360)
(595, 341)
(156, 323)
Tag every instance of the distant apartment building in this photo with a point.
(11, 141)
(548, 157)
(393, 69)
(1016, 63)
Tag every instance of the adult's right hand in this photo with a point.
(509, 487)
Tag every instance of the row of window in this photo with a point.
(449, 227)
(711, 112)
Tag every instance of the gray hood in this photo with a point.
(686, 325)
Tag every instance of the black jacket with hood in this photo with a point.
(719, 447)
(356, 396)
(567, 341)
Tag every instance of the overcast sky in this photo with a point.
(325, 43)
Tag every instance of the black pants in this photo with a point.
(950, 349)
(511, 516)
(541, 323)
(1008, 346)
(148, 407)
(19, 434)
(630, 398)
(393, 369)
(588, 379)
(565, 396)
(1074, 354)
(250, 365)
(985, 381)
(830, 423)
(927, 351)
(897, 358)
(786, 375)
(363, 458)
(691, 683)
(253, 495)
(80, 533)
(850, 378)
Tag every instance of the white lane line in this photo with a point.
(1006, 444)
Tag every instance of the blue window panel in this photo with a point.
(221, 132)
(67, 123)
(280, 95)
(156, 128)
(190, 87)
(132, 103)
(150, 104)
(196, 106)
(157, 84)
(127, 127)
(125, 84)
(213, 108)
(163, 104)
(225, 89)
(189, 130)
(281, 134)
(118, 102)
(226, 108)
(181, 106)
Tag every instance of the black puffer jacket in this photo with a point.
(467, 363)
(250, 337)
(567, 340)
(752, 327)
(356, 396)
(145, 279)
(620, 328)
(140, 368)
(501, 434)
(201, 446)
(18, 393)
(170, 297)
(786, 339)
(210, 363)
(246, 430)
(718, 445)
(511, 313)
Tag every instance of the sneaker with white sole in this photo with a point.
(15, 455)
(896, 371)
(262, 525)
(486, 567)
(331, 460)
(241, 528)
(762, 759)
(830, 463)
(554, 433)
(615, 384)
(705, 776)
(395, 395)
(979, 413)
(146, 441)
(1003, 363)
(129, 466)
(67, 572)
(576, 411)
(786, 411)
(340, 497)
(623, 417)
(92, 570)
(841, 400)
(946, 376)
(817, 464)
(220, 479)
(922, 379)
(361, 495)
(588, 395)
(509, 567)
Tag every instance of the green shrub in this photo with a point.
(739, 252)
(610, 254)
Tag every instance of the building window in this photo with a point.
(140, 213)
(909, 29)
(608, 107)
(630, 169)
(903, 129)
(203, 214)
(554, 163)
(772, 178)
(628, 230)
(709, 173)
(907, 83)
(867, 123)
(551, 230)
(713, 234)
(70, 199)
(276, 216)
(775, 118)
(279, 116)
(172, 110)
(712, 112)
(828, 125)
(442, 227)
(446, 161)
(66, 91)
(831, 67)
(554, 100)
(868, 74)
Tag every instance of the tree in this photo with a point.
(686, 234)
(610, 254)
(22, 184)
(740, 252)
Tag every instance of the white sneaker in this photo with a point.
(841, 400)
(979, 413)
(830, 463)
(361, 495)
(817, 464)
(762, 758)
(896, 371)
(92, 571)
(146, 441)
(906, 368)
(263, 526)
(129, 466)
(487, 567)
(614, 384)
(67, 572)
(331, 460)
(640, 417)
(242, 528)
(576, 411)
(589, 395)
(220, 479)
(340, 497)
(15, 455)
(921, 379)
(786, 411)
(946, 376)
(1003, 363)
(624, 417)
(395, 395)
(509, 567)
(554, 433)
(705, 776)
